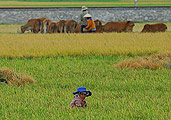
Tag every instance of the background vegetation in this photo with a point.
(79, 3)
(88, 0)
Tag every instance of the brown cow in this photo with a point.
(61, 25)
(78, 28)
(53, 27)
(33, 24)
(45, 25)
(160, 27)
(124, 26)
(41, 19)
(56, 27)
(70, 26)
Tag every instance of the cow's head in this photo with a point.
(146, 28)
(22, 29)
(130, 26)
(98, 23)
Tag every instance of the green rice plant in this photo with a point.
(117, 94)
(88, 0)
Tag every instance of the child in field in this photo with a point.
(79, 99)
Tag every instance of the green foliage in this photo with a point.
(88, 0)
(79, 3)
(64, 0)
(117, 94)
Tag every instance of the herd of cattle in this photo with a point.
(44, 25)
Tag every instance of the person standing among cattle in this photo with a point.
(79, 100)
(91, 24)
(82, 18)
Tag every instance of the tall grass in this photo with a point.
(53, 45)
(117, 94)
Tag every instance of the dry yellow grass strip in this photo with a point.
(10, 28)
(52, 45)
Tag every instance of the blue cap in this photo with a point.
(82, 89)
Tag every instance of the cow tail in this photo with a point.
(47, 25)
(40, 24)
(63, 28)
(75, 25)
(54, 28)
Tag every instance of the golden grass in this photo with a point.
(10, 28)
(52, 45)
(161, 60)
(14, 79)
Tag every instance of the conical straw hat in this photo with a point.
(87, 15)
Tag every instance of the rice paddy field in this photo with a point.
(78, 3)
(60, 63)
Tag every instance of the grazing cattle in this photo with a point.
(33, 24)
(45, 25)
(41, 22)
(56, 27)
(70, 26)
(61, 25)
(124, 26)
(160, 27)
(53, 27)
